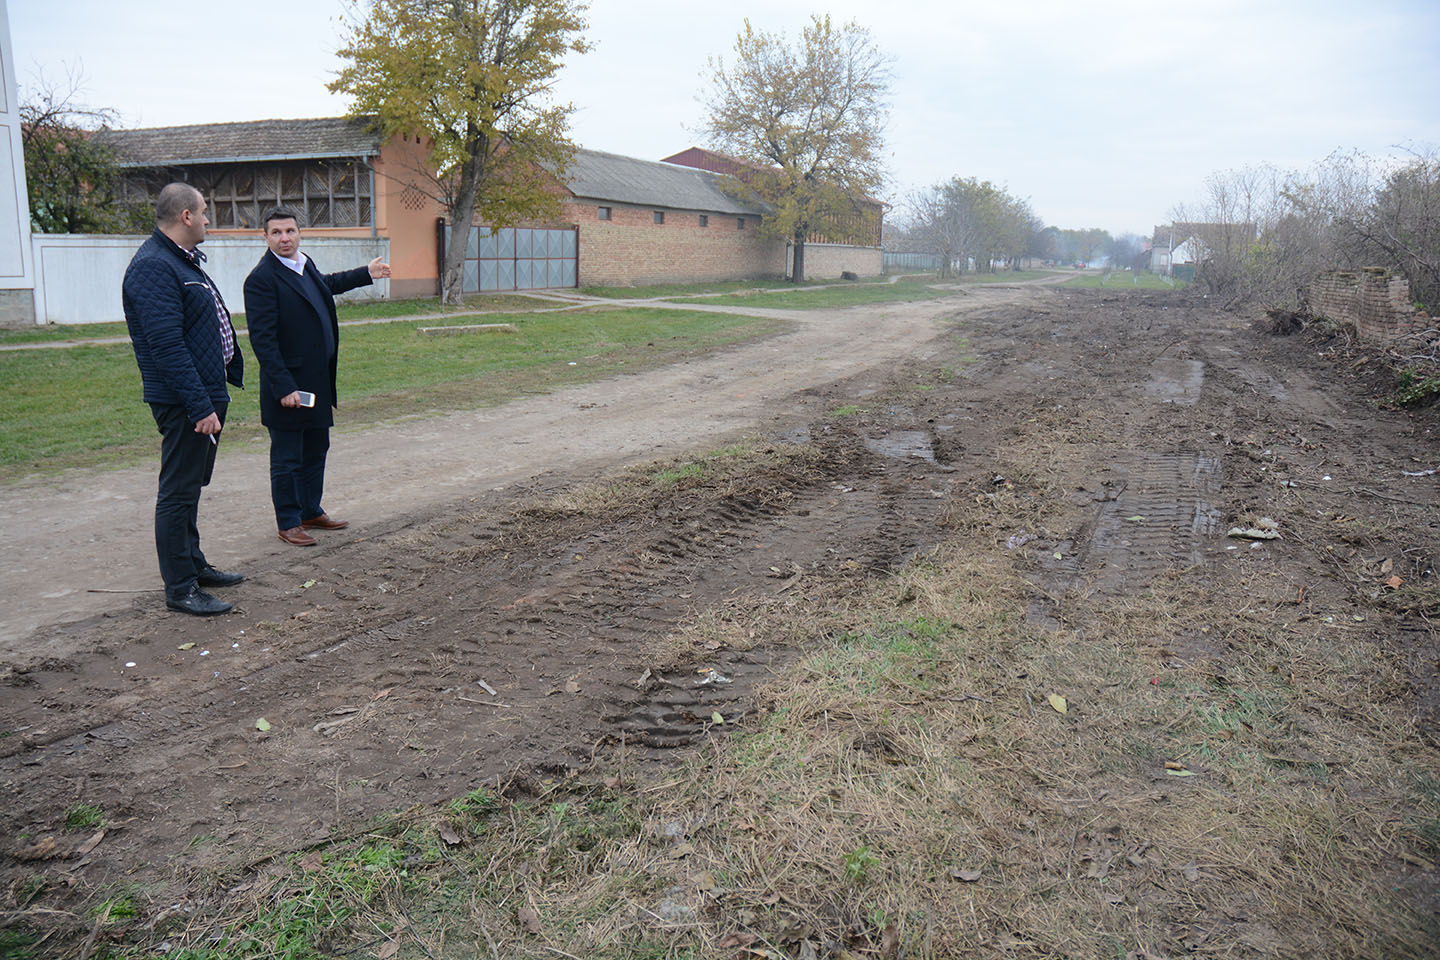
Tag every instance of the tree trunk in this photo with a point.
(462, 214)
(797, 268)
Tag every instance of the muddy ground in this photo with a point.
(522, 631)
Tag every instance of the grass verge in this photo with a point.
(49, 399)
(346, 309)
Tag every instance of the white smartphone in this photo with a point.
(306, 399)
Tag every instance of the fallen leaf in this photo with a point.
(1181, 773)
(389, 950)
(1394, 583)
(186, 646)
(312, 861)
(890, 941)
(307, 584)
(262, 725)
(529, 921)
(571, 686)
(1058, 702)
(681, 850)
(1172, 765)
(91, 844)
(736, 939)
(705, 882)
(964, 876)
(448, 834)
(43, 850)
(1387, 566)
(1136, 519)
(719, 720)
(1058, 556)
(1192, 872)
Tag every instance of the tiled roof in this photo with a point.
(254, 140)
(594, 175)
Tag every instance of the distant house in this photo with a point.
(622, 220)
(1184, 244)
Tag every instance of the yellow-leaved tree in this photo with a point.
(808, 118)
(474, 78)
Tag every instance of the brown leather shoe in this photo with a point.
(298, 537)
(324, 522)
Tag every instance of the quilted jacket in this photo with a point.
(174, 329)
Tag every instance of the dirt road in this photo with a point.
(91, 530)
(469, 630)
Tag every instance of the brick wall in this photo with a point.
(631, 248)
(1377, 303)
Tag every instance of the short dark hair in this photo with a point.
(174, 199)
(279, 213)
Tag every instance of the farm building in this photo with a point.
(623, 220)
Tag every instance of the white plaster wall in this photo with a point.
(78, 276)
(16, 270)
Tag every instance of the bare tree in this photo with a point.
(1401, 226)
(71, 174)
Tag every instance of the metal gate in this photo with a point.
(518, 258)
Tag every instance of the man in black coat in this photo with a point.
(290, 310)
(185, 346)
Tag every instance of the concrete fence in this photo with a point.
(78, 276)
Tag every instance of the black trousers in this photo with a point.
(187, 459)
(297, 474)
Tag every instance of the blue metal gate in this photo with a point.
(520, 258)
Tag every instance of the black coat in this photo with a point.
(289, 317)
(175, 331)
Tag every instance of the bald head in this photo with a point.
(180, 214)
(176, 199)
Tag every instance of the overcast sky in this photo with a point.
(1102, 114)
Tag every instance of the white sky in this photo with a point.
(1103, 114)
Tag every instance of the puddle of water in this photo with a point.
(797, 435)
(902, 443)
(1176, 381)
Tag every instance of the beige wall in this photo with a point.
(826, 261)
(630, 248)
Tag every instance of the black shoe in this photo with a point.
(198, 602)
(210, 577)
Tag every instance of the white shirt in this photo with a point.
(298, 264)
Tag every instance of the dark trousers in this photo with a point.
(187, 459)
(297, 474)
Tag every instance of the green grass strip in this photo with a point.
(81, 406)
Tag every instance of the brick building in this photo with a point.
(622, 221)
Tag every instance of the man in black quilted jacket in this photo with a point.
(185, 346)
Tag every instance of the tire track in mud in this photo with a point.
(1158, 506)
(381, 685)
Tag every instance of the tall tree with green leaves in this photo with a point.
(810, 118)
(474, 78)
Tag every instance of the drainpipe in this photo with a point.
(374, 200)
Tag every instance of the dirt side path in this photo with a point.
(91, 530)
